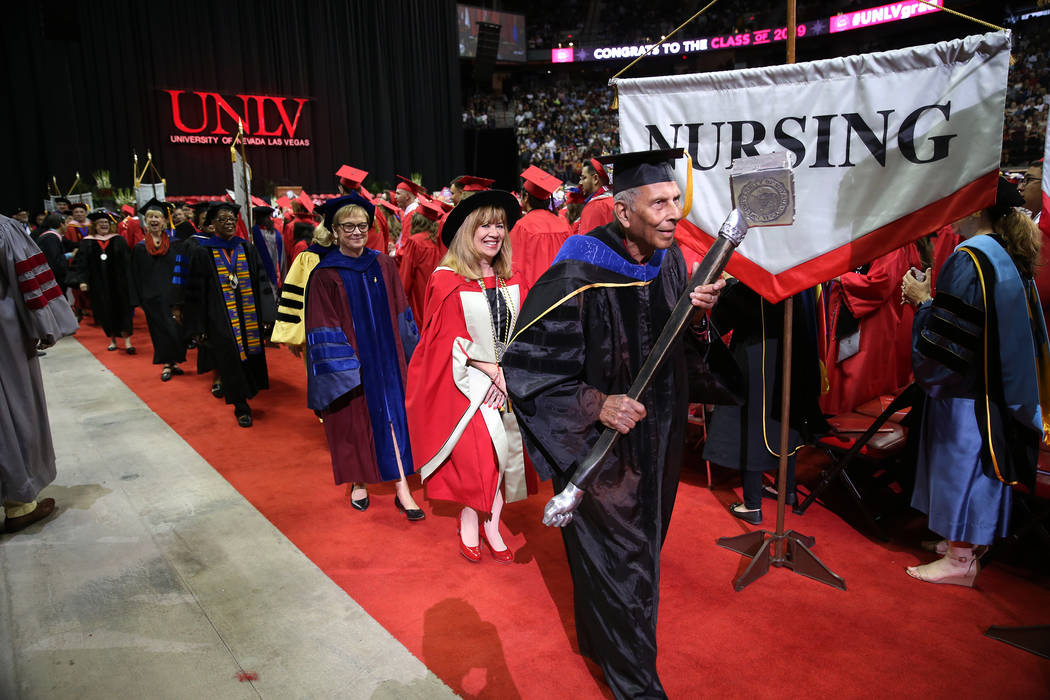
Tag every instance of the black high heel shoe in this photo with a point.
(358, 504)
(411, 514)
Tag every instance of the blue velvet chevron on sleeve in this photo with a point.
(406, 325)
(332, 367)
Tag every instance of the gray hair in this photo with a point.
(627, 197)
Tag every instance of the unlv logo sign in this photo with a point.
(210, 118)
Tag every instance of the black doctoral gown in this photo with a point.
(229, 329)
(559, 370)
(103, 266)
(736, 438)
(151, 289)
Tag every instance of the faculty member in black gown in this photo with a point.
(228, 302)
(100, 269)
(152, 265)
(587, 327)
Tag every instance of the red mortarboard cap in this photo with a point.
(600, 169)
(305, 200)
(128, 209)
(540, 183)
(284, 203)
(350, 176)
(259, 202)
(447, 206)
(391, 207)
(472, 183)
(429, 209)
(407, 184)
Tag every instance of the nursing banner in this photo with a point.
(884, 147)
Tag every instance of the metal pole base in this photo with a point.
(1034, 639)
(790, 550)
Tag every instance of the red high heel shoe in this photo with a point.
(503, 556)
(471, 554)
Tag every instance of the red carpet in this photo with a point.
(499, 631)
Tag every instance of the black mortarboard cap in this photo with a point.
(330, 207)
(641, 167)
(200, 207)
(163, 207)
(101, 214)
(1007, 194)
(216, 207)
(262, 212)
(488, 198)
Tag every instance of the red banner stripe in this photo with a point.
(971, 197)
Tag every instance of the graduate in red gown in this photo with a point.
(420, 254)
(302, 212)
(598, 209)
(359, 338)
(465, 442)
(574, 201)
(539, 234)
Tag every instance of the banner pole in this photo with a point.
(788, 549)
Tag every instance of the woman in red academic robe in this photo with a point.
(465, 441)
(419, 256)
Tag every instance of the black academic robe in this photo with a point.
(53, 246)
(151, 289)
(559, 370)
(736, 437)
(103, 266)
(207, 315)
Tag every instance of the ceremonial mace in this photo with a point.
(765, 198)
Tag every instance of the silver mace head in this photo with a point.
(734, 227)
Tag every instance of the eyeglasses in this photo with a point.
(350, 227)
(1030, 178)
(224, 219)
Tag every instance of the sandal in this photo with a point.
(177, 371)
(111, 347)
(130, 350)
(216, 390)
(165, 374)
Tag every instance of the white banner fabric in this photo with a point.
(885, 147)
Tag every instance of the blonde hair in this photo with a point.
(322, 236)
(464, 258)
(1021, 236)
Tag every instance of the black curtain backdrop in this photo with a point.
(86, 83)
